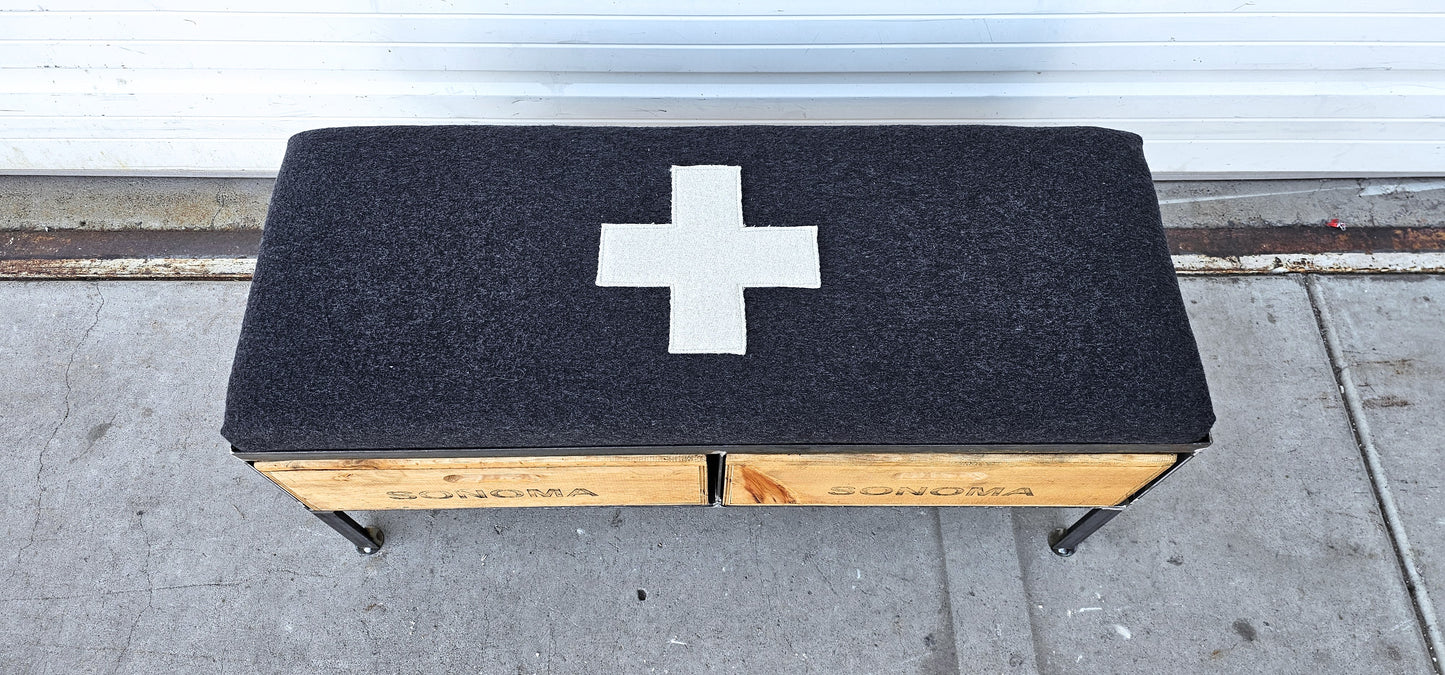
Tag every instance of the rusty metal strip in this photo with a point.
(231, 254)
(1307, 248)
(110, 244)
(1303, 239)
(164, 269)
(1387, 262)
(217, 269)
(129, 254)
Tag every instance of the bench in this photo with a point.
(498, 316)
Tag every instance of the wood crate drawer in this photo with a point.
(476, 482)
(938, 479)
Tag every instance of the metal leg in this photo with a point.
(367, 539)
(714, 478)
(1064, 541)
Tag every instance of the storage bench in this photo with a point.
(495, 316)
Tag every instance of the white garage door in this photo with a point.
(1217, 87)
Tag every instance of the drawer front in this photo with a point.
(379, 484)
(938, 479)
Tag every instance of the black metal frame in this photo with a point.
(368, 540)
(786, 449)
(1063, 542)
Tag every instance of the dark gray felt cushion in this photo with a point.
(433, 287)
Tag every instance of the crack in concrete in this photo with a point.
(124, 591)
(102, 648)
(150, 595)
(220, 206)
(55, 431)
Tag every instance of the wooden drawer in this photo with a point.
(615, 480)
(939, 479)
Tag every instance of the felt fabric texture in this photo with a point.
(706, 257)
(434, 287)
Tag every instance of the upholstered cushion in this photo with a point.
(438, 287)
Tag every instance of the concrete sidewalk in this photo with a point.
(137, 544)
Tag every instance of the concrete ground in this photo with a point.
(138, 545)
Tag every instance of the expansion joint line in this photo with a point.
(1374, 468)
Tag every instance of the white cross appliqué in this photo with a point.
(706, 256)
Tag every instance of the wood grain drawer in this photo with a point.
(475, 482)
(938, 479)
